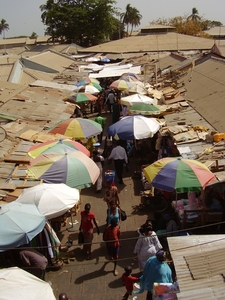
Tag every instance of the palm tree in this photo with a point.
(131, 17)
(194, 16)
(3, 27)
(125, 17)
(135, 18)
(47, 19)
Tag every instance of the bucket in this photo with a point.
(109, 176)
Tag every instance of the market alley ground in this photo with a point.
(94, 279)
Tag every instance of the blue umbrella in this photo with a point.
(19, 223)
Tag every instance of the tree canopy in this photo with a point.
(85, 22)
(191, 25)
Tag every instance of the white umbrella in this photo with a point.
(52, 200)
(135, 99)
(16, 283)
(134, 127)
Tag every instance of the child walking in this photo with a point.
(128, 280)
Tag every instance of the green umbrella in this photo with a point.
(81, 98)
(144, 109)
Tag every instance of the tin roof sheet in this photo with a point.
(153, 43)
(206, 90)
(52, 60)
(198, 264)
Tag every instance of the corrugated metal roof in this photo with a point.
(205, 85)
(9, 90)
(153, 43)
(200, 256)
(5, 71)
(52, 60)
(216, 31)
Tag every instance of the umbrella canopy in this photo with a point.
(77, 128)
(19, 223)
(53, 200)
(178, 174)
(91, 88)
(134, 127)
(75, 169)
(128, 76)
(144, 109)
(85, 81)
(16, 283)
(135, 99)
(121, 85)
(61, 146)
(81, 98)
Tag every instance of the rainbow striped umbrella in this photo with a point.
(121, 85)
(77, 128)
(182, 175)
(85, 81)
(57, 147)
(75, 169)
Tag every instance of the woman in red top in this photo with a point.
(112, 234)
(86, 226)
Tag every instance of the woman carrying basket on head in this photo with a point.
(111, 192)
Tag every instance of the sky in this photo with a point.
(24, 16)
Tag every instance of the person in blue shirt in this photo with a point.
(156, 270)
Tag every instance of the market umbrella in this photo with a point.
(60, 146)
(144, 109)
(53, 200)
(85, 81)
(81, 98)
(75, 169)
(16, 283)
(91, 88)
(135, 99)
(121, 85)
(77, 128)
(182, 175)
(128, 76)
(19, 223)
(134, 127)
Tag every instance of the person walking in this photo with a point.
(86, 226)
(146, 246)
(111, 236)
(119, 155)
(113, 213)
(156, 270)
(111, 194)
(100, 120)
(99, 160)
(128, 280)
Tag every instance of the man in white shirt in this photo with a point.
(119, 156)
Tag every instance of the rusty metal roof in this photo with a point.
(198, 261)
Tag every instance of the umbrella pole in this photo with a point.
(176, 199)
